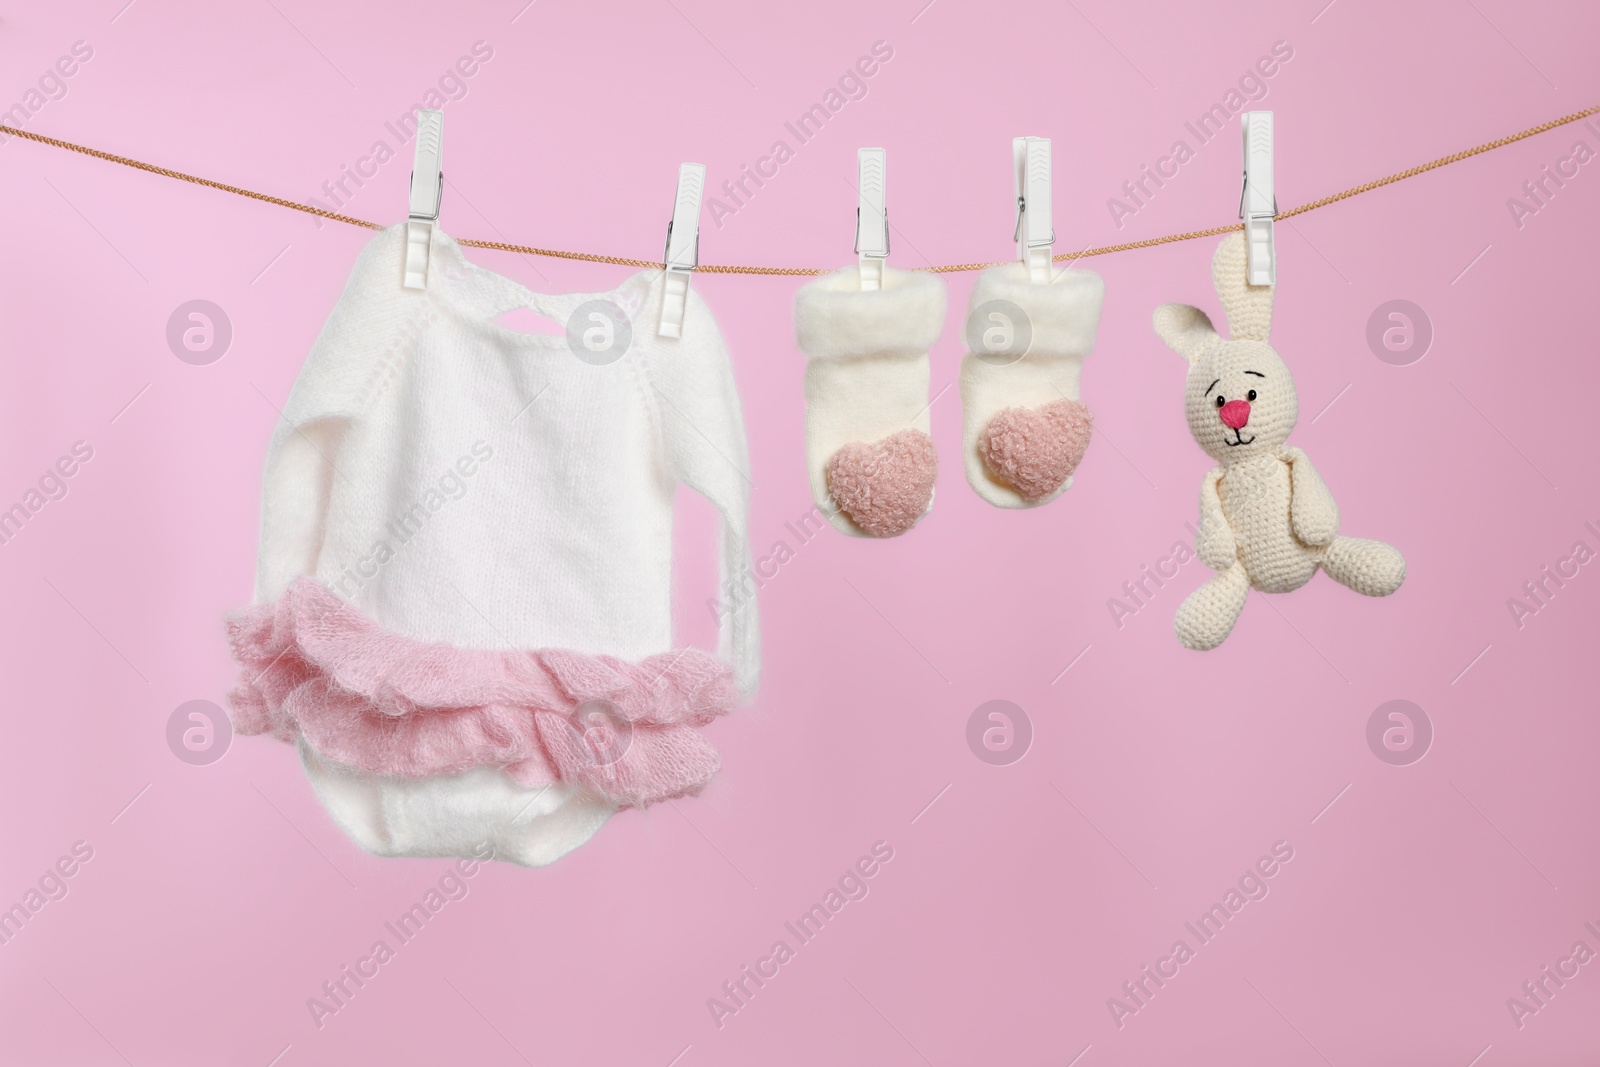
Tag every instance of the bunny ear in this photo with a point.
(1249, 307)
(1185, 329)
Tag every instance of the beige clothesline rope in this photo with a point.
(711, 268)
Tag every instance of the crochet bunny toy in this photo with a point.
(1266, 519)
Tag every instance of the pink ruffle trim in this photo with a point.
(314, 666)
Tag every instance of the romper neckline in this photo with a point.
(482, 294)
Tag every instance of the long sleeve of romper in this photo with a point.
(702, 434)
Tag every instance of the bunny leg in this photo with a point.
(1371, 568)
(1205, 619)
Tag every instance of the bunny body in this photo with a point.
(1256, 498)
(1267, 521)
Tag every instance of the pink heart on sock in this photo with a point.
(1035, 450)
(884, 487)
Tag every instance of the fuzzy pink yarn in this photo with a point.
(1035, 450)
(884, 487)
(315, 667)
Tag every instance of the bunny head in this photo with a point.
(1240, 397)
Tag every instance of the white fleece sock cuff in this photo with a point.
(833, 317)
(1062, 317)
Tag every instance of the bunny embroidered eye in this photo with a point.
(1251, 395)
(1221, 400)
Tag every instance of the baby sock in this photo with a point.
(870, 459)
(1023, 428)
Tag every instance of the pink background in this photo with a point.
(1417, 902)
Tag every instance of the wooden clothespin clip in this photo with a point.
(1036, 233)
(872, 215)
(683, 248)
(427, 189)
(1258, 200)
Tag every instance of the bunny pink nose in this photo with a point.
(1235, 413)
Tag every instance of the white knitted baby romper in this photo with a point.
(463, 598)
(1024, 430)
(871, 461)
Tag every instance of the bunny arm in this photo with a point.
(1312, 513)
(1213, 541)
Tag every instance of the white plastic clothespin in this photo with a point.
(683, 248)
(1258, 200)
(872, 216)
(1036, 233)
(427, 189)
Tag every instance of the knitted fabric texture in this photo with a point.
(1267, 521)
(871, 463)
(447, 814)
(1024, 428)
(492, 511)
(314, 667)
